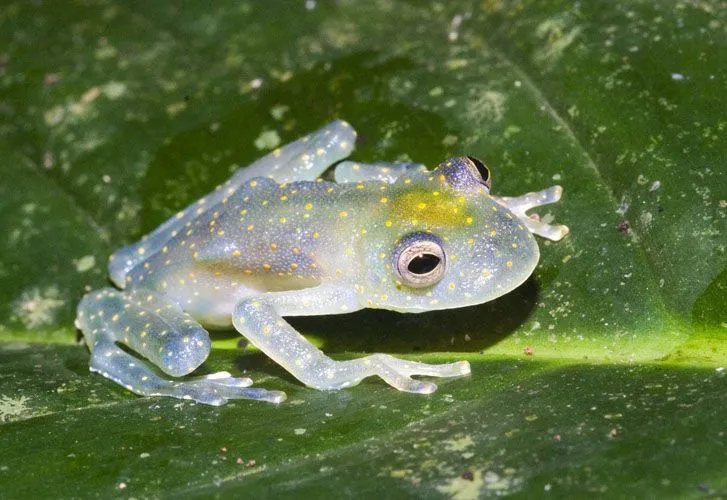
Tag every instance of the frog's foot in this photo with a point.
(215, 389)
(519, 205)
(349, 171)
(395, 372)
(167, 337)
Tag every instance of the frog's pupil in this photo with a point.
(481, 168)
(423, 263)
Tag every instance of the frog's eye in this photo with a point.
(480, 171)
(419, 260)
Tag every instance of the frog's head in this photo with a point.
(444, 242)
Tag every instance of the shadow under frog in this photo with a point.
(468, 329)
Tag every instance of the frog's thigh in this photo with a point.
(349, 171)
(163, 334)
(155, 328)
(259, 321)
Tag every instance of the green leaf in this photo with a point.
(115, 115)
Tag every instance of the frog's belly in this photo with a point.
(210, 299)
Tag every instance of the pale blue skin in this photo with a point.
(276, 241)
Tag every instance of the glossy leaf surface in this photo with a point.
(113, 116)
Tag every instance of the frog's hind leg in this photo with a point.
(305, 159)
(521, 204)
(164, 335)
(302, 160)
(349, 171)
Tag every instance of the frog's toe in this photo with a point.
(218, 392)
(398, 378)
(259, 394)
(457, 369)
(226, 379)
(419, 387)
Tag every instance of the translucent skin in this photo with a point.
(259, 248)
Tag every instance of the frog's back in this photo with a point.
(263, 237)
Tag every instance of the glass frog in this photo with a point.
(275, 240)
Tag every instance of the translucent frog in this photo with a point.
(275, 240)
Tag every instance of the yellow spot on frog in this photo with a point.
(273, 246)
(384, 199)
(388, 223)
(493, 233)
(294, 266)
(316, 235)
(266, 266)
(236, 253)
(442, 210)
(141, 250)
(253, 183)
(343, 214)
(250, 227)
(282, 220)
(452, 286)
(509, 263)
(308, 206)
(283, 198)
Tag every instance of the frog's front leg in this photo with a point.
(259, 319)
(349, 171)
(162, 333)
(521, 204)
